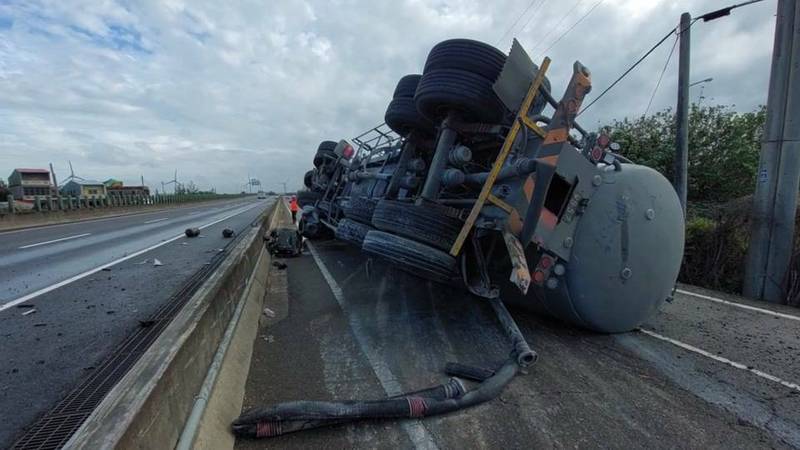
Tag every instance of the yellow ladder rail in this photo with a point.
(522, 115)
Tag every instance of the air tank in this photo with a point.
(625, 255)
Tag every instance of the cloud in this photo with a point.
(223, 91)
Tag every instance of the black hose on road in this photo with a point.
(301, 415)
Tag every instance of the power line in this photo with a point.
(666, 64)
(532, 16)
(707, 17)
(560, 21)
(624, 74)
(517, 21)
(573, 25)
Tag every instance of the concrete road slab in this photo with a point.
(586, 390)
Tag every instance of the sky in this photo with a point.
(220, 91)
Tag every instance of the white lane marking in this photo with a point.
(718, 358)
(415, 429)
(52, 287)
(54, 240)
(157, 220)
(739, 305)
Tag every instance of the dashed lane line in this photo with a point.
(54, 241)
(52, 287)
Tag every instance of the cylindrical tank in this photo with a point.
(625, 256)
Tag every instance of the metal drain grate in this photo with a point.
(57, 426)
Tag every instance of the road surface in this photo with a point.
(70, 293)
(702, 374)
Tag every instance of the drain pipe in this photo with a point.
(189, 433)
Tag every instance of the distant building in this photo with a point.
(131, 191)
(86, 188)
(112, 183)
(26, 184)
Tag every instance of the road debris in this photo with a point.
(192, 232)
(142, 262)
(157, 263)
(146, 323)
(106, 269)
(227, 233)
(280, 265)
(30, 311)
(40, 324)
(269, 313)
(25, 305)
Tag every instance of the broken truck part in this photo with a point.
(472, 182)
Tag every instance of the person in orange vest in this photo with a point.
(293, 207)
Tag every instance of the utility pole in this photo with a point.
(682, 112)
(778, 177)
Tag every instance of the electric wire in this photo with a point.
(521, 30)
(558, 24)
(705, 17)
(530, 5)
(629, 69)
(660, 77)
(573, 26)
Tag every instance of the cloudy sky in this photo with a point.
(220, 90)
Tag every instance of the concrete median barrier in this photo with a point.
(166, 393)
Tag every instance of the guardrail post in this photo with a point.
(10, 200)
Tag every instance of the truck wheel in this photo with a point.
(428, 223)
(465, 54)
(324, 151)
(352, 231)
(407, 86)
(359, 209)
(418, 259)
(402, 117)
(308, 179)
(443, 90)
(307, 198)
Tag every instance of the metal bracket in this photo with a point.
(501, 158)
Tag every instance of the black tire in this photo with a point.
(352, 232)
(428, 223)
(308, 179)
(360, 209)
(327, 146)
(325, 150)
(307, 198)
(407, 86)
(413, 257)
(471, 95)
(403, 118)
(468, 55)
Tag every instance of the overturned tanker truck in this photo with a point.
(470, 182)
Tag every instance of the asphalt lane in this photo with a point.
(35, 258)
(46, 353)
(391, 330)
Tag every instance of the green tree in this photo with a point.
(724, 147)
